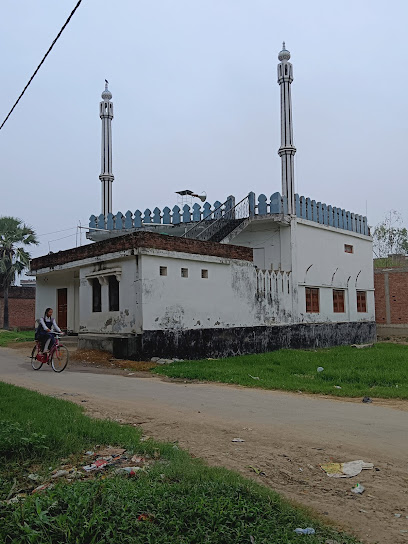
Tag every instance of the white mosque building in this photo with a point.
(244, 276)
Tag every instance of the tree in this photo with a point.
(390, 237)
(14, 235)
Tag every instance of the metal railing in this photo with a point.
(232, 216)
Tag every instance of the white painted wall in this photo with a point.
(228, 298)
(322, 262)
(46, 295)
(128, 320)
(270, 242)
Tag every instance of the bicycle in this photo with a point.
(58, 356)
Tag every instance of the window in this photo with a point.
(113, 294)
(361, 301)
(184, 272)
(338, 301)
(204, 273)
(348, 248)
(163, 271)
(312, 300)
(96, 296)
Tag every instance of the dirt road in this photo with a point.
(286, 436)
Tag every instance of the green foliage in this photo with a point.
(10, 337)
(379, 371)
(183, 500)
(14, 236)
(16, 441)
(390, 237)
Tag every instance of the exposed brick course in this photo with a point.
(397, 296)
(143, 240)
(21, 307)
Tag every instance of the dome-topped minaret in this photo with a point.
(106, 177)
(287, 150)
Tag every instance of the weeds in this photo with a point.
(178, 500)
(379, 371)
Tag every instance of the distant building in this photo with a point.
(21, 307)
(391, 296)
(202, 280)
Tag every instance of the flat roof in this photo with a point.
(144, 239)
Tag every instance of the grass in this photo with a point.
(180, 499)
(9, 337)
(379, 371)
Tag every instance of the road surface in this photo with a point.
(286, 436)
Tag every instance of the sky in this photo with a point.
(196, 105)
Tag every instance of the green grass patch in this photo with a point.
(178, 500)
(9, 337)
(379, 371)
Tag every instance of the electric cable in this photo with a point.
(41, 63)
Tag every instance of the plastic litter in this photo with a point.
(60, 473)
(397, 515)
(345, 470)
(254, 377)
(320, 369)
(307, 531)
(366, 399)
(237, 440)
(358, 489)
(337, 387)
(34, 477)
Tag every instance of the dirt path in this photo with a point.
(286, 436)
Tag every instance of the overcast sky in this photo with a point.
(196, 104)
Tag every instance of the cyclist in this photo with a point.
(45, 328)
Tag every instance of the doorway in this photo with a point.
(62, 298)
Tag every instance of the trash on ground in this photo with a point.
(320, 369)
(60, 473)
(89, 452)
(145, 517)
(397, 515)
(366, 399)
(337, 386)
(361, 346)
(164, 361)
(358, 489)
(254, 377)
(345, 470)
(257, 471)
(34, 477)
(237, 440)
(111, 451)
(307, 531)
(42, 487)
(251, 539)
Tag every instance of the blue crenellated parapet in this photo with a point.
(262, 205)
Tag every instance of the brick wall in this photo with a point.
(145, 240)
(391, 295)
(21, 307)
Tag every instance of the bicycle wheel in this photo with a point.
(35, 363)
(59, 358)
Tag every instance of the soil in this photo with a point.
(290, 460)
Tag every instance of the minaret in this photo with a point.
(287, 150)
(106, 177)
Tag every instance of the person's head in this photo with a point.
(48, 312)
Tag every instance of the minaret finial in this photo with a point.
(106, 95)
(284, 55)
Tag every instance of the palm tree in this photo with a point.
(14, 235)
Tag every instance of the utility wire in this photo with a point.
(41, 63)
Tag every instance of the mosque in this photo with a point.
(199, 280)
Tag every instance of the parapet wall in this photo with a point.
(305, 208)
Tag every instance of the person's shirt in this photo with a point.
(49, 323)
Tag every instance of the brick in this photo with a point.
(143, 240)
(21, 307)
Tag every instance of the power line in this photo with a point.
(55, 231)
(41, 63)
